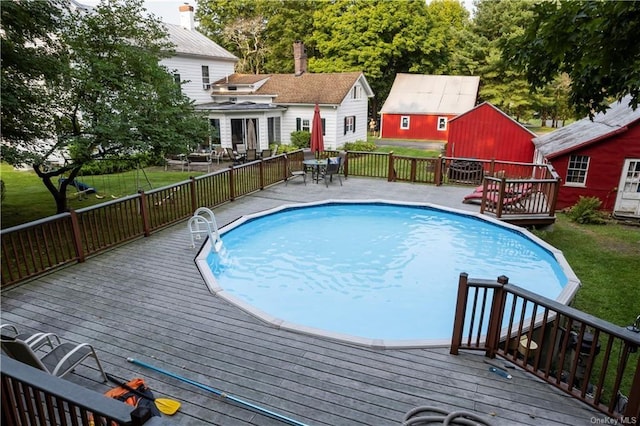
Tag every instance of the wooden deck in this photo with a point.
(147, 300)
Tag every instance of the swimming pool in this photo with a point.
(375, 273)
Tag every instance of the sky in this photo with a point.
(166, 10)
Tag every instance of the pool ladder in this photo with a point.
(203, 221)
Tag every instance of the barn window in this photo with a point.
(442, 123)
(404, 122)
(577, 170)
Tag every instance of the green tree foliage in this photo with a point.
(594, 42)
(33, 59)
(260, 32)
(495, 23)
(112, 98)
(381, 38)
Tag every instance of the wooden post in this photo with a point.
(414, 165)
(232, 188)
(391, 174)
(438, 172)
(194, 195)
(345, 167)
(461, 308)
(495, 317)
(144, 212)
(633, 403)
(77, 239)
(261, 174)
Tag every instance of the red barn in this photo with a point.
(420, 106)
(486, 133)
(599, 158)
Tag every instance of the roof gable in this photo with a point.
(431, 94)
(308, 88)
(194, 43)
(497, 110)
(584, 132)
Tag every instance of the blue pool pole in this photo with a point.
(221, 394)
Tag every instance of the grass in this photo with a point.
(27, 198)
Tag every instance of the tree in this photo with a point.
(594, 42)
(33, 60)
(113, 99)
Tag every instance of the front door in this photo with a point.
(628, 199)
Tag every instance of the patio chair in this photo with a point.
(62, 359)
(332, 168)
(252, 155)
(234, 156)
(294, 173)
(34, 340)
(266, 153)
(218, 154)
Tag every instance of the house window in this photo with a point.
(205, 78)
(442, 123)
(214, 131)
(577, 170)
(176, 78)
(404, 122)
(273, 127)
(355, 92)
(350, 124)
(303, 124)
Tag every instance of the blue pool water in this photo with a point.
(374, 270)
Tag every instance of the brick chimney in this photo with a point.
(186, 17)
(299, 57)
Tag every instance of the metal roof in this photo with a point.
(585, 131)
(194, 43)
(431, 94)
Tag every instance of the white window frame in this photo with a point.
(206, 84)
(405, 122)
(356, 92)
(577, 170)
(442, 123)
(350, 124)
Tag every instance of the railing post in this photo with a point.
(495, 317)
(501, 196)
(633, 402)
(146, 226)
(461, 308)
(345, 168)
(231, 184)
(261, 173)
(438, 171)
(391, 175)
(194, 196)
(492, 167)
(77, 239)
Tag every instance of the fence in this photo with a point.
(40, 246)
(590, 359)
(33, 397)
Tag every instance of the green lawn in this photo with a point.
(27, 199)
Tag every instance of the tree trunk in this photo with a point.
(59, 194)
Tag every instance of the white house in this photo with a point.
(198, 60)
(272, 106)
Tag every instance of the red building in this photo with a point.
(419, 107)
(487, 133)
(598, 158)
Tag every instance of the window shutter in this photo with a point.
(298, 124)
(345, 125)
(354, 124)
(323, 124)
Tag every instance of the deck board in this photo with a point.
(147, 300)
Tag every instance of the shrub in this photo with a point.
(586, 211)
(301, 139)
(360, 146)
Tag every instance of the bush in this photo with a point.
(360, 146)
(586, 211)
(301, 139)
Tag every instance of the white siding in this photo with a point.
(190, 69)
(352, 107)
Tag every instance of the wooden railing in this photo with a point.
(40, 246)
(590, 359)
(33, 397)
